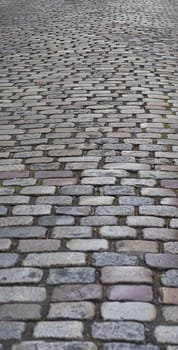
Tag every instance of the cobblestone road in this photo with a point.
(89, 175)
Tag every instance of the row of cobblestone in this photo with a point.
(88, 175)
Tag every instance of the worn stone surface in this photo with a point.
(71, 275)
(127, 346)
(11, 330)
(167, 334)
(88, 175)
(135, 311)
(170, 278)
(20, 275)
(42, 345)
(73, 310)
(20, 312)
(54, 329)
(130, 292)
(54, 259)
(118, 330)
(116, 274)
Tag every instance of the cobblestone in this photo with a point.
(135, 311)
(67, 330)
(54, 259)
(41, 345)
(88, 175)
(72, 310)
(118, 330)
(167, 334)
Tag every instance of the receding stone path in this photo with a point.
(89, 175)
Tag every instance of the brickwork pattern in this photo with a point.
(89, 175)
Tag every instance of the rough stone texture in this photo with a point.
(109, 259)
(53, 329)
(71, 275)
(8, 259)
(127, 346)
(170, 313)
(20, 312)
(74, 310)
(72, 232)
(136, 246)
(5, 244)
(20, 275)
(118, 330)
(130, 292)
(41, 345)
(22, 294)
(166, 334)
(88, 174)
(11, 330)
(87, 244)
(54, 259)
(40, 245)
(116, 274)
(161, 261)
(117, 232)
(77, 292)
(169, 295)
(135, 311)
(170, 278)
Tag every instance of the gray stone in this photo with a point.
(5, 244)
(22, 294)
(98, 220)
(54, 259)
(71, 275)
(87, 244)
(109, 259)
(38, 245)
(136, 311)
(72, 310)
(37, 209)
(126, 346)
(56, 220)
(166, 334)
(8, 259)
(72, 345)
(11, 330)
(131, 331)
(72, 232)
(53, 329)
(10, 312)
(20, 275)
(170, 313)
(170, 278)
(23, 232)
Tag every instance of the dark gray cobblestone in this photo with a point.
(88, 175)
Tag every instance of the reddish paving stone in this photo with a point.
(161, 261)
(130, 292)
(169, 295)
(13, 174)
(169, 184)
(77, 292)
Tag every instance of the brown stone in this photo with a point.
(169, 295)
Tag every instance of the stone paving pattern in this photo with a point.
(89, 175)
